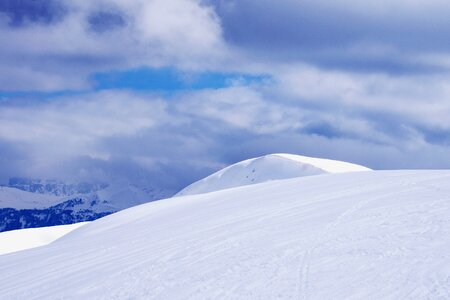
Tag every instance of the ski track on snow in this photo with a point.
(303, 286)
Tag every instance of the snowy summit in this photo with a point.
(266, 168)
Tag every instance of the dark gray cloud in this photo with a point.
(103, 21)
(14, 158)
(340, 34)
(27, 12)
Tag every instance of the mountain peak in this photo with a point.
(266, 168)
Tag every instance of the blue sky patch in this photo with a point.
(38, 95)
(171, 79)
(165, 80)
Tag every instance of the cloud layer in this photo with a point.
(363, 82)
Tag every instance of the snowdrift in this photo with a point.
(366, 235)
(267, 168)
(22, 239)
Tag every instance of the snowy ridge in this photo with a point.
(368, 235)
(266, 168)
(327, 165)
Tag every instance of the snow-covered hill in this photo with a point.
(366, 235)
(266, 168)
(17, 240)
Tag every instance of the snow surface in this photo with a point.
(17, 240)
(366, 235)
(267, 168)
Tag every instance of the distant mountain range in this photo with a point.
(54, 187)
(27, 203)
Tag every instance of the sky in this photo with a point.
(164, 92)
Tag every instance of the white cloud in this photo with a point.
(414, 99)
(243, 108)
(182, 33)
(73, 126)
